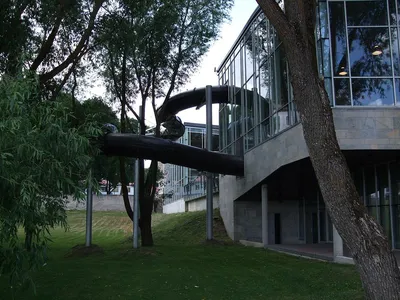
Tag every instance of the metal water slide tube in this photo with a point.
(165, 150)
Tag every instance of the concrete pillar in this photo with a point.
(264, 214)
(337, 244)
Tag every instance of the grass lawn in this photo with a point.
(180, 266)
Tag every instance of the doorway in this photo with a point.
(314, 228)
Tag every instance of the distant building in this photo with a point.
(184, 183)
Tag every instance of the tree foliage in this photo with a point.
(43, 158)
(48, 37)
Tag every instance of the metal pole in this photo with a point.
(209, 175)
(89, 212)
(136, 196)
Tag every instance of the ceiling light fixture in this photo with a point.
(377, 50)
(342, 71)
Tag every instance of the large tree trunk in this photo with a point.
(122, 170)
(365, 239)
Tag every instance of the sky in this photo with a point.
(205, 74)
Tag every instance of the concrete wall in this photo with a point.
(289, 211)
(248, 218)
(178, 206)
(100, 203)
(259, 163)
(368, 128)
(201, 204)
(357, 128)
(248, 221)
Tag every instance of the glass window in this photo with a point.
(265, 43)
(373, 92)
(249, 55)
(229, 130)
(342, 91)
(338, 38)
(359, 182)
(392, 11)
(395, 190)
(281, 79)
(265, 90)
(395, 50)
(370, 52)
(196, 139)
(328, 88)
(370, 192)
(384, 198)
(365, 13)
(397, 91)
(323, 20)
(238, 74)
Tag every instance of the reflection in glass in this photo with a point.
(359, 182)
(238, 75)
(370, 192)
(392, 12)
(229, 127)
(395, 50)
(281, 79)
(338, 36)
(222, 126)
(395, 189)
(373, 92)
(249, 59)
(323, 20)
(328, 88)
(365, 13)
(365, 60)
(326, 58)
(384, 198)
(266, 129)
(342, 91)
(265, 85)
(397, 91)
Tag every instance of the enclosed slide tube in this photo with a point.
(166, 151)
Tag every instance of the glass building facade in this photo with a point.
(358, 57)
(186, 183)
(358, 52)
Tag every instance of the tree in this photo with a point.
(154, 48)
(43, 159)
(48, 37)
(365, 239)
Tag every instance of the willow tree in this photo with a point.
(365, 239)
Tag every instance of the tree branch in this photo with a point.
(84, 38)
(66, 76)
(274, 13)
(46, 46)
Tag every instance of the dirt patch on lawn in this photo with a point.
(83, 251)
(146, 251)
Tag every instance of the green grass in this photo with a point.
(180, 266)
